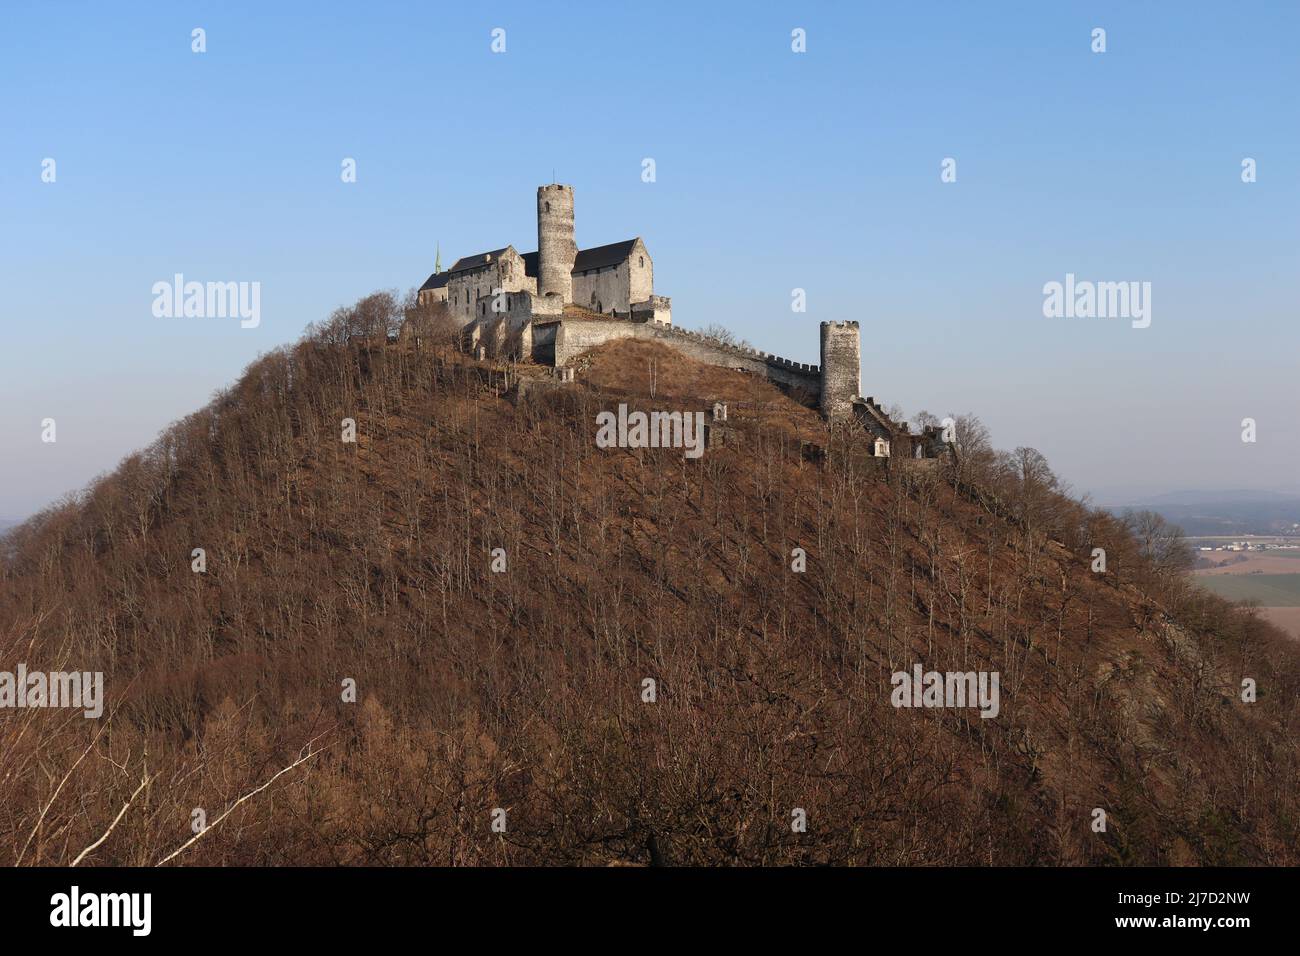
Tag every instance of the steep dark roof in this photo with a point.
(436, 281)
(465, 263)
(601, 256)
(597, 258)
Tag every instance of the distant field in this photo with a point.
(1216, 541)
(1270, 578)
(1287, 618)
(1248, 562)
(1270, 590)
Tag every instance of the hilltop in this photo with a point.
(524, 688)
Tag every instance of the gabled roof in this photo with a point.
(436, 281)
(465, 263)
(601, 256)
(596, 258)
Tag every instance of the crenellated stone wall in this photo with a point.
(530, 321)
(657, 308)
(572, 337)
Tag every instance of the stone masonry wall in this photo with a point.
(641, 273)
(841, 379)
(556, 248)
(575, 337)
(604, 291)
(616, 289)
(465, 288)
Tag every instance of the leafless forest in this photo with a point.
(522, 690)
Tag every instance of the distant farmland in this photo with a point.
(1266, 579)
(1270, 590)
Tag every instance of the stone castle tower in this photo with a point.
(556, 249)
(841, 369)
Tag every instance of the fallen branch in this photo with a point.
(231, 809)
(121, 813)
(46, 809)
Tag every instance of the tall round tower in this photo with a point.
(841, 369)
(556, 249)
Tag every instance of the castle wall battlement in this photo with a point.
(747, 353)
(615, 284)
(573, 337)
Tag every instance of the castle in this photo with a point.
(551, 305)
(615, 279)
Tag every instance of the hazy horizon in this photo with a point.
(775, 170)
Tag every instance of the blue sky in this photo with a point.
(775, 171)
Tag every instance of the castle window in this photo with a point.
(548, 207)
(641, 261)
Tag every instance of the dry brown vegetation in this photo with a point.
(522, 689)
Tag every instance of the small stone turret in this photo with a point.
(841, 369)
(556, 249)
